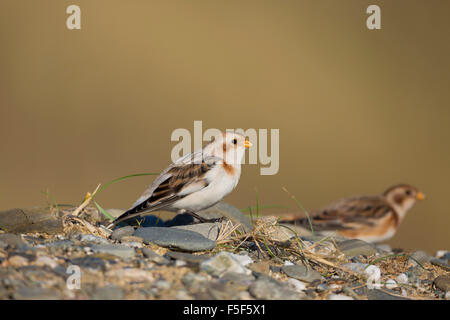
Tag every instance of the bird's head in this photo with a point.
(229, 146)
(403, 197)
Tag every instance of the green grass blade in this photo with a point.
(301, 207)
(123, 178)
(104, 212)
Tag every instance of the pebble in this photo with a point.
(35, 293)
(442, 282)
(17, 261)
(355, 247)
(322, 287)
(223, 209)
(238, 277)
(193, 281)
(356, 267)
(338, 297)
(297, 285)
(208, 230)
(402, 278)
(91, 239)
(92, 263)
(118, 250)
(373, 274)
(222, 263)
(154, 257)
(443, 254)
(190, 258)
(131, 239)
(109, 292)
(419, 257)
(391, 284)
(162, 285)
(260, 266)
(175, 238)
(119, 233)
(384, 248)
(269, 290)
(46, 261)
(12, 240)
(301, 273)
(132, 244)
(376, 294)
(441, 263)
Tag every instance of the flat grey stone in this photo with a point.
(301, 273)
(268, 290)
(175, 238)
(122, 232)
(118, 250)
(154, 257)
(208, 230)
(35, 219)
(355, 247)
(223, 209)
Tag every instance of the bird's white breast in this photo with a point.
(221, 184)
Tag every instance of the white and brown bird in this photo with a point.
(369, 218)
(196, 181)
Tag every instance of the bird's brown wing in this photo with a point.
(176, 182)
(346, 213)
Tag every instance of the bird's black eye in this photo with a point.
(408, 192)
(234, 141)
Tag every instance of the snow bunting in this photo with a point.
(196, 181)
(369, 218)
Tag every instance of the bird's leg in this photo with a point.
(201, 219)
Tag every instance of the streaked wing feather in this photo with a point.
(179, 180)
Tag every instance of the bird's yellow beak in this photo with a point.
(420, 196)
(247, 144)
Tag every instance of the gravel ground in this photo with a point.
(48, 255)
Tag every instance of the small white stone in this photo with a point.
(391, 284)
(440, 253)
(404, 293)
(133, 244)
(244, 259)
(334, 286)
(180, 263)
(297, 285)
(374, 275)
(402, 278)
(447, 295)
(288, 263)
(339, 297)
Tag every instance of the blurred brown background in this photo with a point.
(358, 110)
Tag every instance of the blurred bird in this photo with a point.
(196, 181)
(369, 218)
